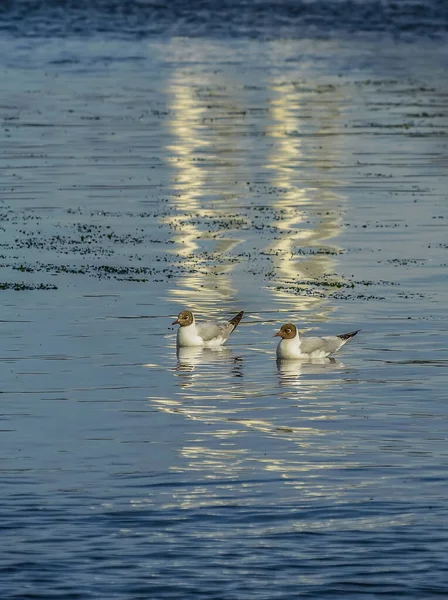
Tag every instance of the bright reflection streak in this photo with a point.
(214, 390)
(297, 203)
(241, 414)
(207, 273)
(189, 181)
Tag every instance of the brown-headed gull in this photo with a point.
(208, 335)
(292, 345)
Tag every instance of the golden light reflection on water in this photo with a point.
(243, 418)
(296, 200)
(208, 146)
(189, 178)
(194, 145)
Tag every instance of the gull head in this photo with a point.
(184, 318)
(288, 331)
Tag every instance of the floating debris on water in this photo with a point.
(21, 287)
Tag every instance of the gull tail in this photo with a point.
(348, 336)
(236, 320)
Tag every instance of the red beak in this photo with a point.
(278, 334)
(176, 322)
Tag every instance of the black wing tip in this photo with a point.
(236, 319)
(349, 335)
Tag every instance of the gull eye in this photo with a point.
(288, 330)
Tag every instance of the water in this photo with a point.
(298, 179)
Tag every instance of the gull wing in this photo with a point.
(212, 330)
(327, 344)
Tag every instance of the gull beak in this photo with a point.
(278, 334)
(176, 322)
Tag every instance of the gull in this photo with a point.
(207, 335)
(293, 346)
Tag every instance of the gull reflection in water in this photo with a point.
(190, 358)
(290, 371)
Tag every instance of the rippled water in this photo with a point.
(300, 180)
(240, 18)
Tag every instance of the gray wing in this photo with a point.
(211, 330)
(328, 344)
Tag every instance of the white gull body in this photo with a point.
(293, 346)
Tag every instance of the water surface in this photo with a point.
(299, 180)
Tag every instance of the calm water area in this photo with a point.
(293, 165)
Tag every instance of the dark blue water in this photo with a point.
(289, 160)
(242, 18)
